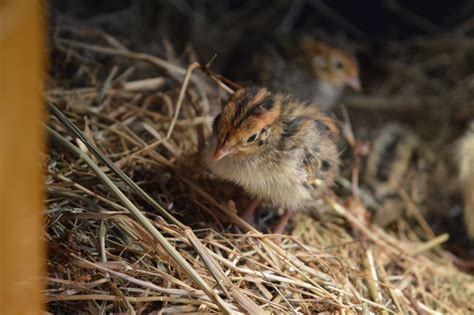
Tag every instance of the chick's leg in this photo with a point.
(281, 224)
(249, 213)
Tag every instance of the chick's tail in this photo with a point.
(466, 177)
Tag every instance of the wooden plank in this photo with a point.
(21, 142)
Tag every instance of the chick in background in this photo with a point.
(465, 156)
(310, 70)
(334, 70)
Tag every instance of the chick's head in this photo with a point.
(243, 128)
(332, 65)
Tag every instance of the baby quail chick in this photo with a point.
(400, 160)
(311, 70)
(466, 176)
(276, 148)
(387, 167)
(334, 70)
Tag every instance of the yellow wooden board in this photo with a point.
(22, 56)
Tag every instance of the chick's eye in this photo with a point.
(339, 65)
(252, 138)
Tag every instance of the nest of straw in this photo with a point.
(135, 225)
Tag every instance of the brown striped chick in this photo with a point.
(275, 148)
(466, 177)
(334, 70)
(400, 161)
(310, 70)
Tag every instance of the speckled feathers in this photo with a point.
(276, 148)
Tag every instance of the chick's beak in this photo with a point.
(354, 83)
(221, 151)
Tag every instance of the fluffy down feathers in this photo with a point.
(275, 148)
(466, 177)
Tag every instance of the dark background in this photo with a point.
(374, 20)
